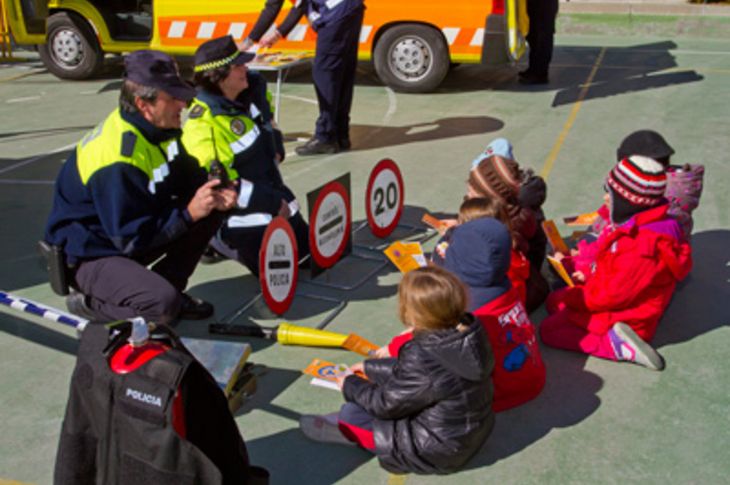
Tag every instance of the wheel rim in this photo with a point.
(410, 59)
(67, 49)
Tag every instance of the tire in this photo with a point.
(71, 50)
(411, 58)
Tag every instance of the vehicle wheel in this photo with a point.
(71, 50)
(411, 58)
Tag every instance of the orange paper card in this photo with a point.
(582, 219)
(560, 269)
(553, 236)
(321, 369)
(406, 256)
(359, 345)
(437, 224)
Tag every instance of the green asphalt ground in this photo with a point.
(595, 422)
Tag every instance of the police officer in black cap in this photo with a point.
(542, 14)
(130, 196)
(230, 125)
(338, 24)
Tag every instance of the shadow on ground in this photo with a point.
(700, 302)
(38, 334)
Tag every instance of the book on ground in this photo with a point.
(223, 359)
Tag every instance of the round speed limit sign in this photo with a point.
(384, 198)
(330, 224)
(278, 265)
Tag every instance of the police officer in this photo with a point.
(130, 195)
(542, 14)
(230, 123)
(338, 24)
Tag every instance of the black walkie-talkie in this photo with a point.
(217, 169)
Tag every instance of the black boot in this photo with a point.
(315, 146)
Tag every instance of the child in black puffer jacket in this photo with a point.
(429, 410)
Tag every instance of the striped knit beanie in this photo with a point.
(496, 177)
(640, 180)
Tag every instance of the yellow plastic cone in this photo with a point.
(288, 334)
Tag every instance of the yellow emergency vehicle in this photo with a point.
(411, 43)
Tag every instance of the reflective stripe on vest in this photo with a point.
(104, 146)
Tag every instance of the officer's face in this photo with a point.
(164, 112)
(236, 81)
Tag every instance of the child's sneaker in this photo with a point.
(630, 347)
(324, 429)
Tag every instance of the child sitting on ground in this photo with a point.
(519, 372)
(684, 183)
(519, 268)
(429, 410)
(639, 259)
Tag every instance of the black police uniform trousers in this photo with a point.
(542, 14)
(121, 288)
(333, 73)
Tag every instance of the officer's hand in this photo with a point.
(269, 40)
(227, 199)
(204, 200)
(284, 210)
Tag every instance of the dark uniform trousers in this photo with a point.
(542, 14)
(121, 288)
(333, 72)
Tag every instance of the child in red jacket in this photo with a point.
(638, 261)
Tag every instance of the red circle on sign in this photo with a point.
(278, 306)
(319, 258)
(383, 231)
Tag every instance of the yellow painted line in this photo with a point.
(550, 161)
(15, 78)
(396, 479)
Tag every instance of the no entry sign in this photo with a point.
(384, 198)
(330, 221)
(278, 263)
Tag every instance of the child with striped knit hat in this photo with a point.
(639, 259)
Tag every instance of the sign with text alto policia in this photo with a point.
(330, 223)
(278, 260)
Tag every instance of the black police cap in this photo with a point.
(157, 70)
(220, 52)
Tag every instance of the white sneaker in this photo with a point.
(630, 347)
(323, 429)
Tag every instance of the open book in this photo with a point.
(223, 359)
(554, 237)
(325, 374)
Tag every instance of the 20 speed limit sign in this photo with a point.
(384, 198)
(278, 265)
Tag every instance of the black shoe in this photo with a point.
(194, 308)
(315, 146)
(531, 78)
(211, 256)
(77, 303)
(344, 144)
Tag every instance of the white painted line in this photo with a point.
(299, 98)
(87, 93)
(22, 100)
(35, 159)
(392, 104)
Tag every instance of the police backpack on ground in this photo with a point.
(126, 428)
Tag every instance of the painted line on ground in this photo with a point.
(396, 479)
(16, 77)
(35, 159)
(299, 98)
(26, 182)
(550, 161)
(23, 100)
(392, 104)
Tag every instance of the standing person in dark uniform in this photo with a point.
(130, 196)
(338, 24)
(542, 14)
(230, 124)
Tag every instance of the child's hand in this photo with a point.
(381, 353)
(359, 368)
(447, 224)
(559, 256)
(578, 277)
(574, 252)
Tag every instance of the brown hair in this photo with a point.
(431, 298)
(479, 207)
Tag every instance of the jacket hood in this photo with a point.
(466, 354)
(479, 255)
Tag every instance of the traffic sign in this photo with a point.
(384, 198)
(278, 263)
(330, 222)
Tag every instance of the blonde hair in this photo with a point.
(479, 207)
(431, 298)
